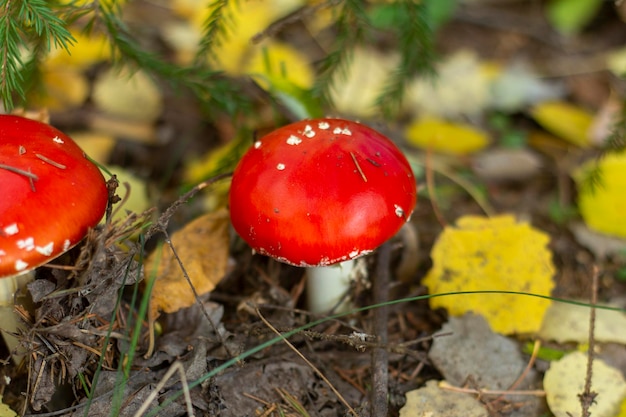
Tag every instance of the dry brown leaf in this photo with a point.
(202, 246)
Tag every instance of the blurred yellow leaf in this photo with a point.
(128, 95)
(278, 63)
(235, 53)
(602, 205)
(495, 253)
(616, 62)
(622, 410)
(565, 381)
(97, 145)
(136, 195)
(63, 88)
(463, 87)
(608, 327)
(5, 410)
(85, 52)
(202, 246)
(565, 120)
(218, 161)
(446, 137)
(62, 72)
(355, 91)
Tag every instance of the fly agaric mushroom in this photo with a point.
(51, 194)
(321, 192)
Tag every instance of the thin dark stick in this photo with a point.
(588, 397)
(380, 356)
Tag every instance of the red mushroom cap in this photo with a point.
(50, 194)
(319, 192)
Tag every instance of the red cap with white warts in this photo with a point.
(50, 194)
(319, 192)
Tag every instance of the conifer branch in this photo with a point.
(352, 23)
(214, 30)
(26, 25)
(416, 50)
(209, 86)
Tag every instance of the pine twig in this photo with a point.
(416, 50)
(351, 27)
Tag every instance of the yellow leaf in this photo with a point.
(608, 327)
(495, 253)
(135, 196)
(62, 72)
(463, 87)
(85, 52)
(355, 91)
(446, 137)
(97, 145)
(127, 95)
(5, 410)
(565, 381)
(202, 246)
(279, 63)
(602, 206)
(622, 410)
(616, 62)
(244, 22)
(63, 88)
(220, 160)
(567, 121)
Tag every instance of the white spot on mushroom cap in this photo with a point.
(57, 139)
(342, 131)
(257, 144)
(280, 167)
(308, 131)
(293, 140)
(66, 245)
(11, 229)
(323, 125)
(20, 265)
(2, 253)
(27, 244)
(399, 211)
(45, 250)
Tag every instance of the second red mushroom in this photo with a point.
(320, 192)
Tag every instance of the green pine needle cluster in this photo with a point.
(351, 26)
(29, 29)
(29, 26)
(415, 45)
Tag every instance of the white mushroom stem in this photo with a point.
(10, 322)
(328, 285)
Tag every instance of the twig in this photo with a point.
(164, 219)
(196, 296)
(588, 397)
(380, 356)
(161, 227)
(522, 376)
(176, 367)
(482, 392)
(315, 369)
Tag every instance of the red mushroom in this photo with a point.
(320, 192)
(51, 195)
